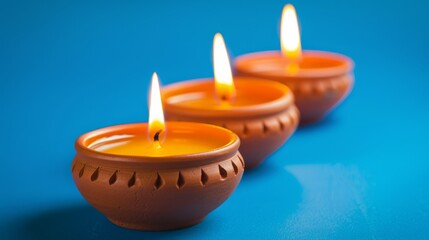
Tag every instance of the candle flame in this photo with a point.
(289, 34)
(156, 114)
(224, 83)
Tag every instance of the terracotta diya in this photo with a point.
(167, 179)
(261, 113)
(319, 80)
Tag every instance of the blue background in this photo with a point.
(67, 67)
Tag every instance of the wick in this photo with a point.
(156, 143)
(156, 137)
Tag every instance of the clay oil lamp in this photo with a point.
(261, 113)
(319, 80)
(157, 176)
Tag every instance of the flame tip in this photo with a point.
(218, 38)
(289, 33)
(288, 6)
(222, 69)
(155, 77)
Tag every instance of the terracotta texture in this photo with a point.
(155, 193)
(262, 128)
(323, 82)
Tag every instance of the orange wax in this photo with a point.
(252, 96)
(313, 64)
(180, 139)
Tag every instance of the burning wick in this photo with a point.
(156, 137)
(290, 39)
(156, 144)
(156, 115)
(224, 83)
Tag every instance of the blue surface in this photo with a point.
(70, 67)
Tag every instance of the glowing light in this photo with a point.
(225, 88)
(156, 114)
(289, 34)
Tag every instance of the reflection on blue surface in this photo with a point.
(333, 197)
(73, 66)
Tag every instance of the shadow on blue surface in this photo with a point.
(84, 222)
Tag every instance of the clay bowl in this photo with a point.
(323, 81)
(262, 127)
(157, 193)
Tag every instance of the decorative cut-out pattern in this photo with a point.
(223, 172)
(180, 181)
(204, 177)
(281, 124)
(82, 171)
(113, 178)
(235, 167)
(322, 87)
(245, 129)
(132, 180)
(73, 166)
(265, 128)
(159, 182)
(94, 175)
(241, 160)
(285, 121)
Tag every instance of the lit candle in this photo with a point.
(150, 140)
(153, 176)
(319, 80)
(224, 83)
(261, 113)
(290, 39)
